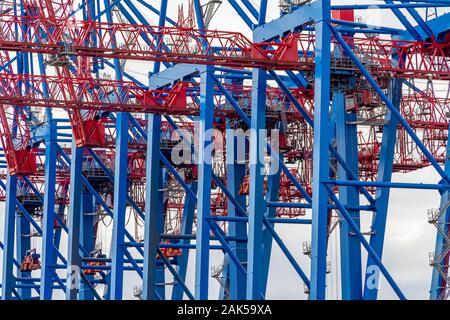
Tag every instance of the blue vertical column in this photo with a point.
(48, 252)
(204, 160)
(320, 155)
(22, 246)
(8, 280)
(273, 190)
(120, 189)
(379, 218)
(153, 206)
(199, 14)
(186, 229)
(235, 173)
(154, 221)
(257, 204)
(438, 283)
(74, 223)
(347, 147)
(160, 266)
(120, 198)
(224, 290)
(87, 237)
(262, 12)
(59, 212)
(161, 23)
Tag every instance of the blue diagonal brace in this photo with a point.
(409, 27)
(348, 218)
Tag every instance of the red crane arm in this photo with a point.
(14, 131)
(101, 95)
(232, 49)
(168, 44)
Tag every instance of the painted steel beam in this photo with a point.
(350, 253)
(141, 19)
(8, 280)
(344, 213)
(23, 244)
(422, 24)
(256, 203)
(154, 219)
(119, 210)
(290, 22)
(262, 12)
(379, 218)
(153, 208)
(88, 236)
(248, 21)
(173, 74)
(151, 8)
(267, 238)
(320, 154)
(405, 22)
(440, 26)
(98, 199)
(439, 281)
(74, 221)
(235, 174)
(120, 192)
(199, 14)
(186, 229)
(48, 252)
(204, 183)
(404, 5)
(389, 104)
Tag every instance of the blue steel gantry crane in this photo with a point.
(89, 142)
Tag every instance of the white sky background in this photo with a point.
(409, 237)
